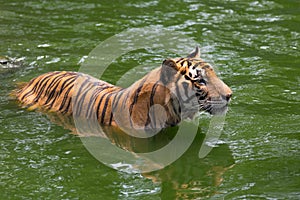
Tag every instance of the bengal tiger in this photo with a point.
(176, 90)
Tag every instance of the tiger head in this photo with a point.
(196, 85)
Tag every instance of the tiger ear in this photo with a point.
(195, 53)
(170, 63)
(168, 70)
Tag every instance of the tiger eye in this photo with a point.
(201, 81)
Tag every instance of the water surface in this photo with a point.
(254, 45)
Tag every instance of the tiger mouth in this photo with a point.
(215, 107)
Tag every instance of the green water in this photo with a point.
(253, 44)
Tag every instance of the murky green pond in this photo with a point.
(255, 45)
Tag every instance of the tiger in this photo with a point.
(177, 90)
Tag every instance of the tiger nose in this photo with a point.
(228, 96)
(227, 93)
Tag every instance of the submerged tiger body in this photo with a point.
(178, 89)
